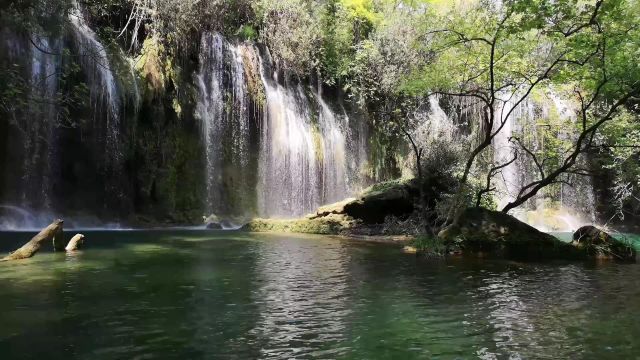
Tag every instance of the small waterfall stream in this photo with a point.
(304, 159)
(40, 156)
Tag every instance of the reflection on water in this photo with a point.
(301, 287)
(198, 294)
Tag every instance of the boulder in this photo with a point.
(213, 226)
(375, 203)
(212, 222)
(481, 230)
(599, 244)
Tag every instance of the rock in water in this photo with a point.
(75, 243)
(375, 203)
(214, 226)
(482, 230)
(212, 222)
(54, 230)
(599, 244)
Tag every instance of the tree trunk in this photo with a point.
(76, 241)
(51, 232)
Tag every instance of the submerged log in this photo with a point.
(58, 239)
(51, 232)
(75, 243)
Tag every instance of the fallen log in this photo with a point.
(51, 232)
(76, 241)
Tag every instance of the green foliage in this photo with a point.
(247, 32)
(429, 245)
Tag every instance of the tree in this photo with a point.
(497, 54)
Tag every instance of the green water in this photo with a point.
(196, 294)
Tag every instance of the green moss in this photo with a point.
(252, 72)
(317, 142)
(332, 224)
(150, 67)
(247, 32)
(385, 186)
(429, 245)
(176, 106)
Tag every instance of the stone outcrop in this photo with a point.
(375, 203)
(212, 222)
(359, 214)
(599, 244)
(482, 230)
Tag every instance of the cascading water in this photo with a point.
(226, 113)
(511, 179)
(290, 153)
(274, 142)
(335, 177)
(48, 142)
(551, 210)
(40, 134)
(103, 89)
(303, 160)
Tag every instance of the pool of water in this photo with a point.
(198, 294)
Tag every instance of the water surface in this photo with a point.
(199, 294)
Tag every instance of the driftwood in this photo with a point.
(51, 232)
(58, 239)
(76, 241)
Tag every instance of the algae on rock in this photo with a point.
(327, 225)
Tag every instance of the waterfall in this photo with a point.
(277, 151)
(335, 177)
(41, 143)
(101, 81)
(550, 210)
(512, 178)
(39, 128)
(225, 112)
(303, 160)
(290, 152)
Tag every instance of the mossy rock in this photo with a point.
(601, 245)
(482, 230)
(330, 224)
(375, 203)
